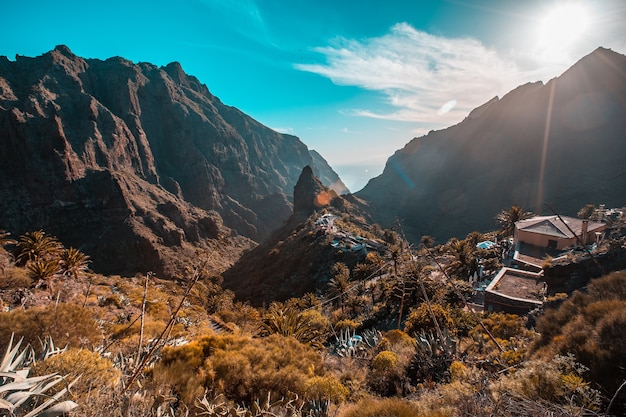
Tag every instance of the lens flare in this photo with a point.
(446, 107)
(323, 199)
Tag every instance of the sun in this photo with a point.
(562, 26)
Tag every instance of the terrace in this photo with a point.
(515, 291)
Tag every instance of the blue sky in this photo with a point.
(355, 80)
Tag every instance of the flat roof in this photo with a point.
(519, 285)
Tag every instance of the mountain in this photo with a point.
(298, 257)
(138, 165)
(562, 143)
(327, 176)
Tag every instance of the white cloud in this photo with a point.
(426, 78)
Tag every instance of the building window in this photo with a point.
(552, 244)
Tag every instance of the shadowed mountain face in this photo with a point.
(297, 258)
(135, 164)
(562, 143)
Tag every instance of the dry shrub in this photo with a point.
(244, 316)
(505, 326)
(151, 328)
(387, 374)
(352, 373)
(447, 400)
(317, 321)
(347, 324)
(96, 373)
(591, 328)
(386, 407)
(15, 278)
(611, 286)
(551, 324)
(420, 319)
(511, 335)
(66, 323)
(385, 361)
(396, 339)
(240, 367)
(556, 381)
(326, 388)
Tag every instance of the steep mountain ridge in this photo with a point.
(560, 143)
(297, 258)
(103, 153)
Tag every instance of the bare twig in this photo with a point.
(143, 314)
(170, 323)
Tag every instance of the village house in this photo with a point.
(542, 237)
(522, 287)
(557, 233)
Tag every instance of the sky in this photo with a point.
(354, 80)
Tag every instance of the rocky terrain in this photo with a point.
(561, 143)
(297, 258)
(142, 166)
(139, 165)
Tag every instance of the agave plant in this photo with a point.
(433, 356)
(347, 344)
(350, 344)
(372, 337)
(317, 408)
(21, 395)
(219, 407)
(49, 349)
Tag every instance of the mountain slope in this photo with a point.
(454, 181)
(135, 160)
(298, 257)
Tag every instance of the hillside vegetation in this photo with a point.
(382, 331)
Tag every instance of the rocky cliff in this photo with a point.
(297, 258)
(137, 164)
(561, 143)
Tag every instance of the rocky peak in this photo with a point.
(102, 152)
(175, 71)
(309, 194)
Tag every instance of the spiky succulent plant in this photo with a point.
(24, 396)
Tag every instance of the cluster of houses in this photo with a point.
(347, 242)
(520, 287)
